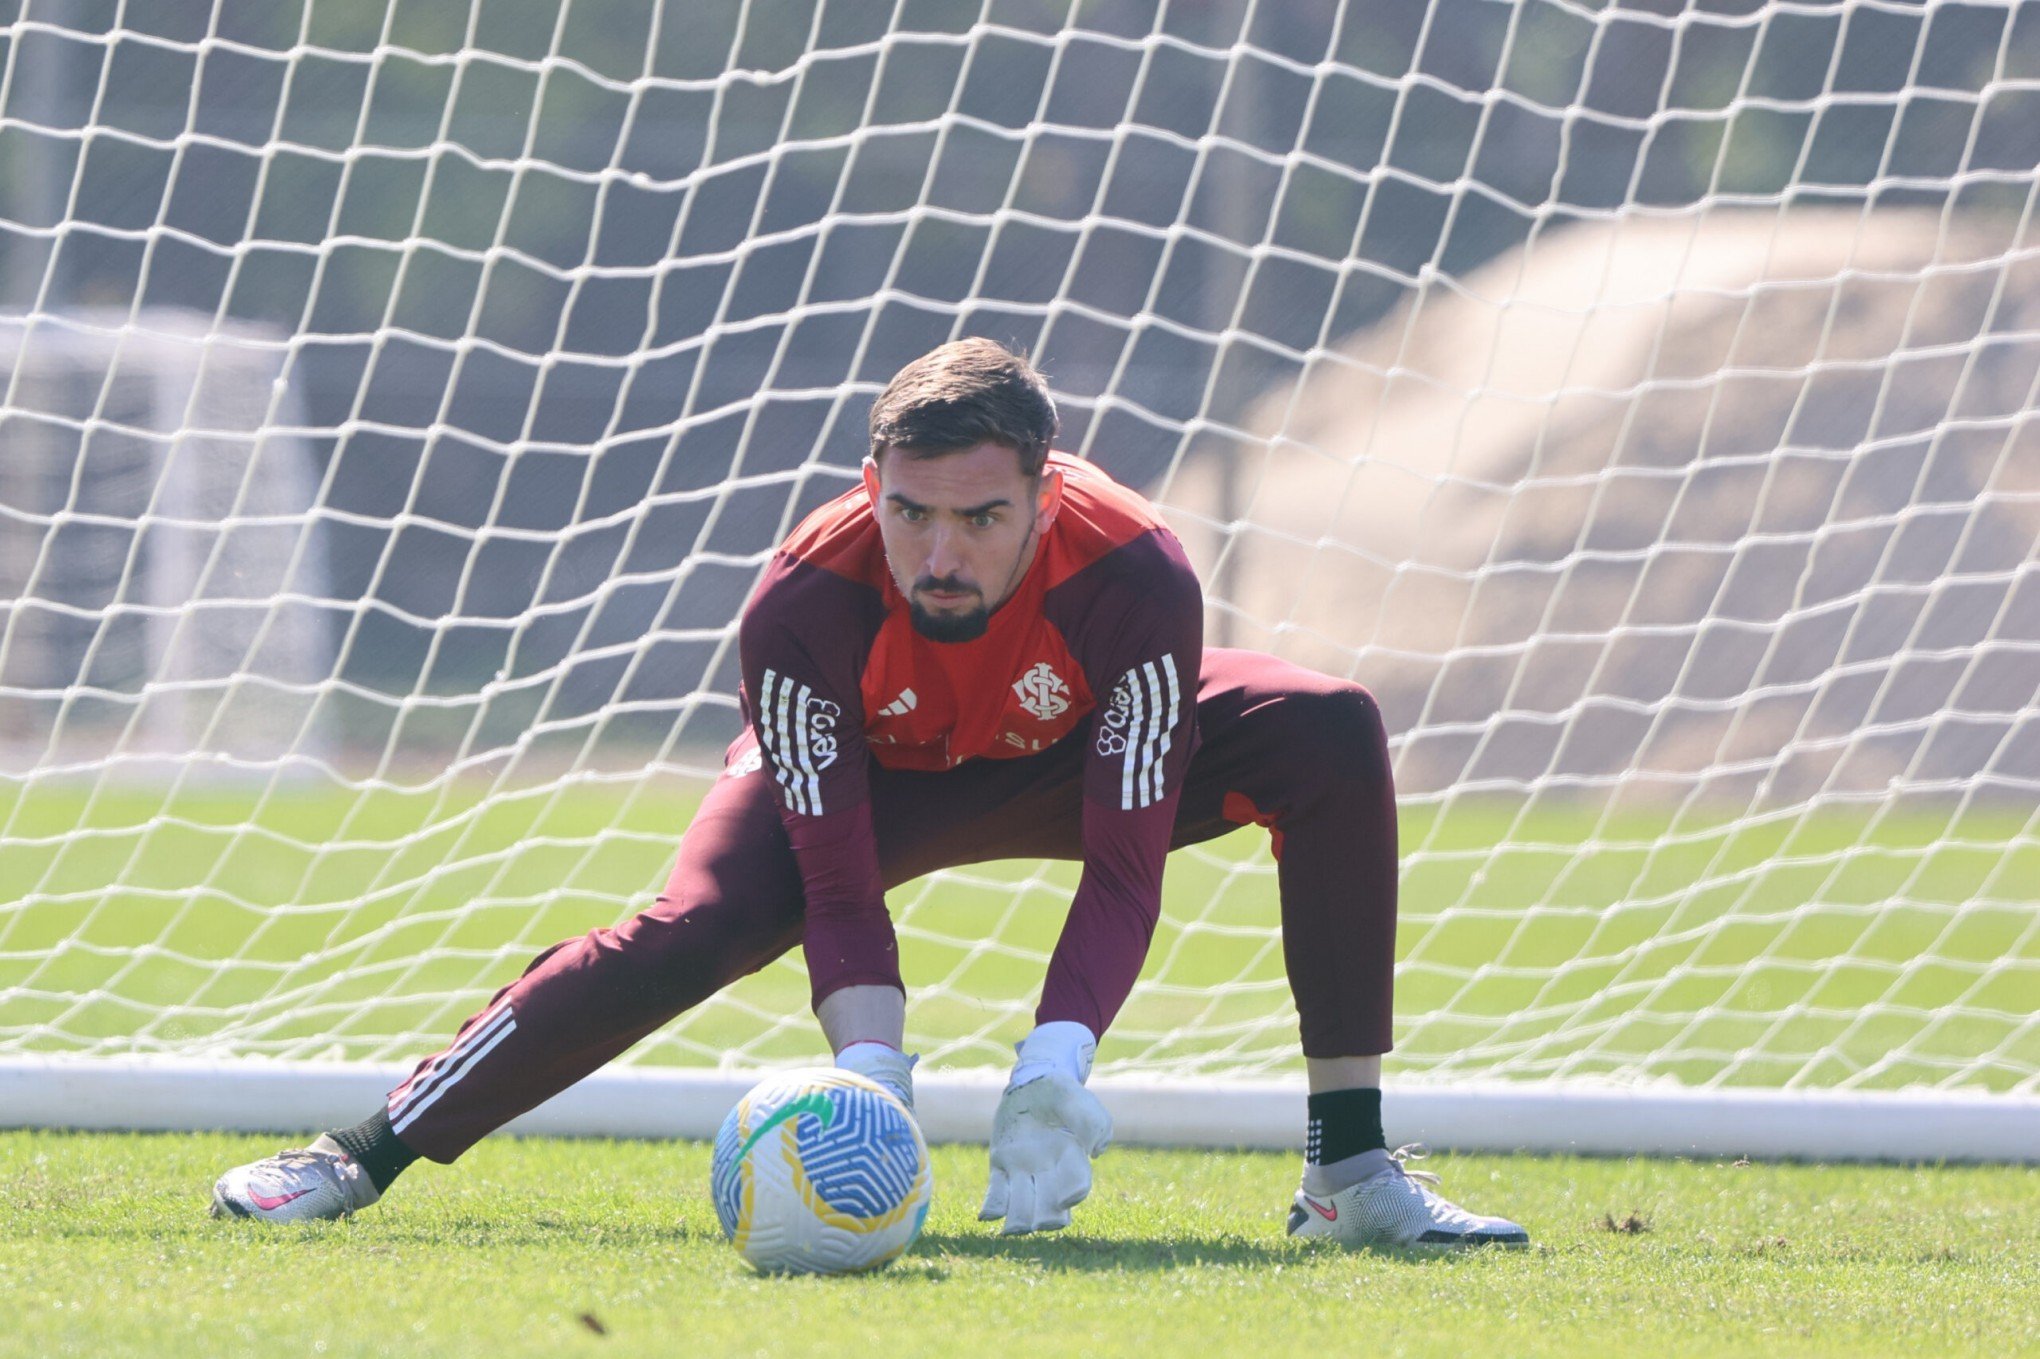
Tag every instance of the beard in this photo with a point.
(947, 627)
(950, 627)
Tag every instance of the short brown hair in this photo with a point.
(963, 394)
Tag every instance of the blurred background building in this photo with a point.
(1461, 338)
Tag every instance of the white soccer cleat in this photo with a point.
(304, 1185)
(1398, 1208)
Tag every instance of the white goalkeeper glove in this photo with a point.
(1046, 1131)
(884, 1063)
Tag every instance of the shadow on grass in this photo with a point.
(1074, 1253)
(437, 1230)
(1061, 1252)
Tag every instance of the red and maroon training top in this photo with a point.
(1108, 615)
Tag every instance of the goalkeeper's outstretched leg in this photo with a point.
(732, 905)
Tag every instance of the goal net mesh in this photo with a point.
(401, 400)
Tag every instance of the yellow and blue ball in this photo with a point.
(820, 1172)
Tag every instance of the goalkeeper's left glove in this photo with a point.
(884, 1063)
(1046, 1131)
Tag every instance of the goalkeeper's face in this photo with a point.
(960, 530)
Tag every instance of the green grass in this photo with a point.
(105, 1250)
(1533, 940)
(1538, 940)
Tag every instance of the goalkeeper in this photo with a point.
(986, 651)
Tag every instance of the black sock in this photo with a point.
(1343, 1123)
(375, 1149)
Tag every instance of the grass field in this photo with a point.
(1875, 947)
(601, 1248)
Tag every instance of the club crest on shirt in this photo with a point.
(1042, 692)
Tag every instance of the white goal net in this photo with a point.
(401, 400)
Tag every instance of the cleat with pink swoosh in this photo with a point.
(305, 1185)
(1398, 1208)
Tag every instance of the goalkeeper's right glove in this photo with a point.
(884, 1063)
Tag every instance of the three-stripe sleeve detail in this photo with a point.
(783, 706)
(1154, 702)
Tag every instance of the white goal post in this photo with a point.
(398, 401)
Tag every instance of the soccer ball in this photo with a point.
(820, 1172)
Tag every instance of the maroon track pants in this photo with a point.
(1280, 746)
